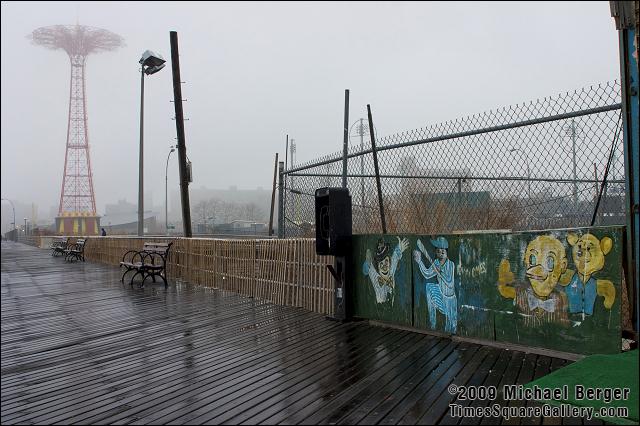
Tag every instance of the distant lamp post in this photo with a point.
(25, 226)
(361, 130)
(151, 63)
(166, 198)
(528, 170)
(14, 218)
(571, 131)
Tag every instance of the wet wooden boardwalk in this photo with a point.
(79, 347)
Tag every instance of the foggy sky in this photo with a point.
(255, 72)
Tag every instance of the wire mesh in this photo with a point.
(535, 165)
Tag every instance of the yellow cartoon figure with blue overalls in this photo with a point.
(589, 257)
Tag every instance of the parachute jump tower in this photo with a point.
(77, 212)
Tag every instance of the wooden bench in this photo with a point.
(151, 261)
(75, 251)
(59, 245)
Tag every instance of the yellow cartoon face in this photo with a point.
(588, 253)
(545, 260)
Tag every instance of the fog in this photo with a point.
(255, 72)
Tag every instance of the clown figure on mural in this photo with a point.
(381, 270)
(441, 295)
(540, 300)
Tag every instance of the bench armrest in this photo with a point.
(132, 256)
(154, 258)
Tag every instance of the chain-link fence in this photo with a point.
(538, 165)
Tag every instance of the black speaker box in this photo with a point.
(333, 221)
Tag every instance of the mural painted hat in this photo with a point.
(381, 249)
(440, 243)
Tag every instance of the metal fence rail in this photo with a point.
(529, 166)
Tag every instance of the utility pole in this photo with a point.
(182, 149)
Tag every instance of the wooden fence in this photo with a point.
(287, 272)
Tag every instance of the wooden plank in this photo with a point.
(317, 407)
(492, 380)
(370, 407)
(421, 408)
(238, 406)
(477, 379)
(361, 404)
(541, 369)
(509, 378)
(525, 375)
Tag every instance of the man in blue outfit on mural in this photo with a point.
(441, 296)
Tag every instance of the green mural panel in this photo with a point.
(557, 289)
(475, 257)
(450, 273)
(381, 277)
(561, 290)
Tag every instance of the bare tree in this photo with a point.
(253, 212)
(207, 210)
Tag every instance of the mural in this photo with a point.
(539, 300)
(475, 299)
(557, 289)
(559, 292)
(382, 272)
(382, 279)
(441, 294)
(588, 256)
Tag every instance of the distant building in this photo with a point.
(151, 227)
(122, 207)
(122, 218)
(432, 180)
(242, 227)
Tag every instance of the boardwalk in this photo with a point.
(79, 347)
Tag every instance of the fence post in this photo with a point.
(628, 38)
(345, 146)
(281, 200)
(273, 196)
(377, 170)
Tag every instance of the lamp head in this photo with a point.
(151, 59)
(153, 69)
(151, 62)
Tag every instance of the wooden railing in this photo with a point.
(32, 240)
(287, 272)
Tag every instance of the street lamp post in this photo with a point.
(150, 63)
(528, 170)
(15, 236)
(166, 203)
(571, 131)
(25, 227)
